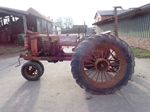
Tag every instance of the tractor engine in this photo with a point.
(44, 45)
(47, 46)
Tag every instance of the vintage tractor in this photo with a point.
(100, 64)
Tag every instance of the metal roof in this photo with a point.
(36, 13)
(13, 10)
(135, 11)
(5, 11)
(109, 12)
(129, 13)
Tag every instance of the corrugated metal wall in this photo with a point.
(134, 30)
(108, 26)
(136, 26)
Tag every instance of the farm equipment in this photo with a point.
(100, 64)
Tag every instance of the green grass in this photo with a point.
(141, 53)
(9, 49)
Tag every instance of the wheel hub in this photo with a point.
(101, 65)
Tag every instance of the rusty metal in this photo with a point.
(18, 62)
(51, 58)
(103, 66)
(34, 46)
(68, 40)
(116, 20)
(52, 43)
(26, 42)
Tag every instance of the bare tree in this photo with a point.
(59, 22)
(66, 22)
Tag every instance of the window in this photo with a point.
(99, 19)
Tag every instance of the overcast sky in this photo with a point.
(79, 10)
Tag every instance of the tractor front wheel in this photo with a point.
(41, 65)
(31, 71)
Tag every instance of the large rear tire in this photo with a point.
(102, 64)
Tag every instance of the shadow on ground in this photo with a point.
(132, 98)
(26, 95)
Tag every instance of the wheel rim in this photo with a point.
(31, 71)
(40, 64)
(103, 66)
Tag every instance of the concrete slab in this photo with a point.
(57, 91)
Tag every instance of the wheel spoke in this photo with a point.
(105, 76)
(94, 75)
(114, 64)
(98, 55)
(89, 65)
(112, 54)
(95, 56)
(101, 77)
(109, 75)
(91, 57)
(97, 76)
(89, 61)
(110, 60)
(112, 70)
(91, 71)
(105, 54)
(102, 54)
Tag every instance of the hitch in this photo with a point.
(18, 62)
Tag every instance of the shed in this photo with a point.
(14, 22)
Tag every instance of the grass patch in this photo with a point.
(9, 49)
(141, 53)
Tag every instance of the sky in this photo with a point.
(79, 10)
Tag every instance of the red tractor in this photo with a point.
(100, 64)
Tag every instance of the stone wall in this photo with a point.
(143, 43)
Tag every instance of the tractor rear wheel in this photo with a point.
(102, 64)
(31, 71)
